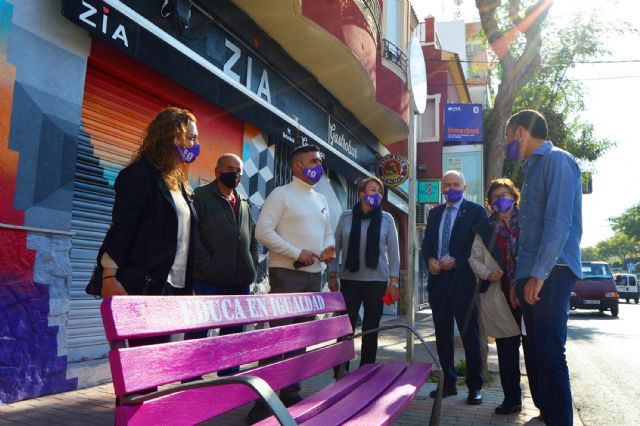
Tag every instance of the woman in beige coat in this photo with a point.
(493, 260)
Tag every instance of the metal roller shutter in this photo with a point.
(114, 116)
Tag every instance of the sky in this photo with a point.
(612, 106)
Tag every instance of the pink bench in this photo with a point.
(374, 394)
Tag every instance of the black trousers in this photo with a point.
(509, 363)
(368, 294)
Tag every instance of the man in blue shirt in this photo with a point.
(548, 258)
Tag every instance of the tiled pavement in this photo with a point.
(94, 406)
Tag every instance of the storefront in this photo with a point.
(78, 89)
(140, 62)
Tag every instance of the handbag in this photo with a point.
(94, 287)
(133, 280)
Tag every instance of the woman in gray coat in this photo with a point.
(368, 240)
(493, 260)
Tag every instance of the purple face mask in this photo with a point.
(513, 149)
(188, 154)
(373, 200)
(502, 205)
(313, 174)
(453, 195)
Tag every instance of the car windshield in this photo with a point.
(595, 270)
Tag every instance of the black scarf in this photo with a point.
(373, 239)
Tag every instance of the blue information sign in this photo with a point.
(462, 124)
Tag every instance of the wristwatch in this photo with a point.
(394, 284)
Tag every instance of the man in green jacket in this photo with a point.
(226, 253)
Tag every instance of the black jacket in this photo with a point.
(460, 278)
(227, 250)
(144, 229)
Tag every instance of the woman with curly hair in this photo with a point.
(493, 260)
(147, 250)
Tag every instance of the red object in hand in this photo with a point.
(387, 299)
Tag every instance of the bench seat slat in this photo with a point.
(137, 368)
(196, 405)
(360, 397)
(385, 409)
(126, 317)
(326, 397)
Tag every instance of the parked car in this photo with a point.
(596, 289)
(627, 285)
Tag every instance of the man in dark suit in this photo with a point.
(446, 249)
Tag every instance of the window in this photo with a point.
(429, 123)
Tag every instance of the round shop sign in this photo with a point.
(393, 169)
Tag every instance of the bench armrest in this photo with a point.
(257, 384)
(437, 402)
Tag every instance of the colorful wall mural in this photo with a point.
(38, 125)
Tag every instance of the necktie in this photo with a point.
(446, 232)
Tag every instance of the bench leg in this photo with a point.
(437, 402)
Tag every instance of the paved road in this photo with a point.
(604, 362)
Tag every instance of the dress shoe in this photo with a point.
(258, 412)
(508, 409)
(445, 393)
(474, 397)
(292, 400)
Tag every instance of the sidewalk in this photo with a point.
(94, 406)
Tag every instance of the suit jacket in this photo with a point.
(227, 250)
(144, 228)
(460, 278)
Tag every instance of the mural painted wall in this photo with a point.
(40, 117)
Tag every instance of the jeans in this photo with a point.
(203, 288)
(546, 329)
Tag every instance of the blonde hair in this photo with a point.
(159, 145)
(362, 183)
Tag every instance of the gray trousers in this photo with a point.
(284, 280)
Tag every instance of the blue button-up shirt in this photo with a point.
(550, 213)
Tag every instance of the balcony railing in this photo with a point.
(395, 55)
(373, 7)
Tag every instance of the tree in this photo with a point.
(560, 99)
(518, 65)
(588, 254)
(619, 247)
(628, 222)
(549, 89)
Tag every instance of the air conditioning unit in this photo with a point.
(422, 211)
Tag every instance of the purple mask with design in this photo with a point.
(373, 200)
(188, 154)
(513, 149)
(453, 195)
(313, 174)
(502, 205)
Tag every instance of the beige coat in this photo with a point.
(494, 308)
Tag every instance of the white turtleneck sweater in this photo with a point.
(294, 217)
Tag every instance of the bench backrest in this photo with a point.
(137, 368)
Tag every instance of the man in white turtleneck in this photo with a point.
(294, 225)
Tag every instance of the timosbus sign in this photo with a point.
(462, 124)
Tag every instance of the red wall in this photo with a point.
(219, 131)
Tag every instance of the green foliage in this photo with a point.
(628, 222)
(461, 367)
(619, 248)
(588, 254)
(552, 92)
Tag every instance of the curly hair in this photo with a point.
(498, 183)
(159, 145)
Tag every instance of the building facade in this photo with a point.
(80, 79)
